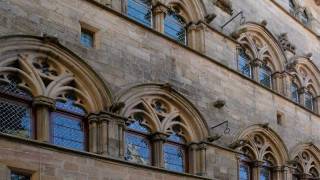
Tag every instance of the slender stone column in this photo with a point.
(256, 64)
(159, 12)
(158, 140)
(116, 129)
(317, 104)
(193, 163)
(93, 133)
(104, 120)
(279, 83)
(196, 37)
(202, 147)
(43, 105)
(256, 170)
(277, 173)
(301, 93)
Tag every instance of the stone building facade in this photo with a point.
(159, 89)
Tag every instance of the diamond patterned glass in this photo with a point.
(137, 149)
(265, 76)
(18, 176)
(294, 92)
(68, 131)
(244, 172)
(173, 157)
(140, 10)
(13, 89)
(174, 27)
(15, 118)
(308, 101)
(244, 63)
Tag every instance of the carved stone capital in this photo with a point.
(256, 62)
(93, 118)
(202, 146)
(257, 163)
(159, 8)
(44, 101)
(302, 90)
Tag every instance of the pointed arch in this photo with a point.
(264, 144)
(263, 46)
(50, 70)
(172, 109)
(307, 158)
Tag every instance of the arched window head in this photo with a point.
(244, 63)
(15, 107)
(307, 163)
(174, 153)
(140, 10)
(294, 92)
(308, 100)
(69, 128)
(137, 144)
(265, 76)
(175, 26)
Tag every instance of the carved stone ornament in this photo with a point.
(225, 5)
(286, 44)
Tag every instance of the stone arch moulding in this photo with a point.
(306, 72)
(50, 69)
(271, 144)
(178, 106)
(193, 10)
(261, 44)
(306, 157)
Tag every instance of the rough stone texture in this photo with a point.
(130, 54)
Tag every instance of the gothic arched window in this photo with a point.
(174, 26)
(140, 10)
(137, 144)
(294, 92)
(244, 63)
(16, 117)
(308, 100)
(174, 153)
(68, 128)
(265, 76)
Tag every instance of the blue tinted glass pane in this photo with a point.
(265, 174)
(140, 10)
(86, 39)
(173, 157)
(138, 127)
(13, 89)
(68, 132)
(15, 119)
(244, 64)
(244, 172)
(70, 106)
(17, 176)
(137, 149)
(265, 76)
(308, 101)
(176, 138)
(174, 27)
(294, 93)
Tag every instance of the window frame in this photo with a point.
(144, 136)
(137, 20)
(265, 68)
(184, 27)
(20, 100)
(297, 100)
(311, 100)
(241, 51)
(74, 116)
(19, 173)
(182, 146)
(89, 32)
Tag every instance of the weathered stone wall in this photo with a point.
(129, 54)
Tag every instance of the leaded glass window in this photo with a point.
(174, 153)
(244, 63)
(138, 147)
(294, 92)
(87, 38)
(19, 176)
(265, 171)
(140, 10)
(15, 108)
(68, 126)
(308, 101)
(174, 27)
(244, 171)
(265, 76)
